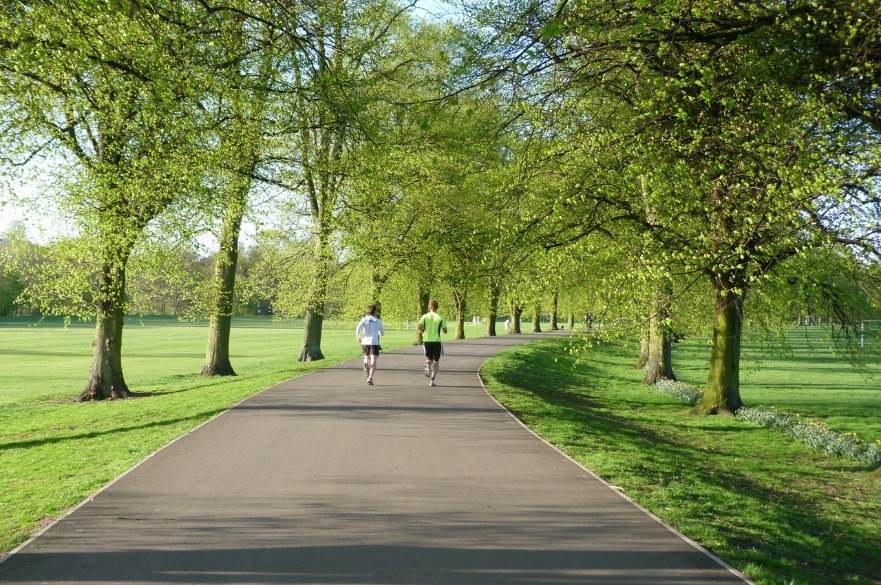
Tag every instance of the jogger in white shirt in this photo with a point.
(368, 332)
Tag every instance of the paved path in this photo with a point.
(326, 480)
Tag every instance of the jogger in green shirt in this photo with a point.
(430, 326)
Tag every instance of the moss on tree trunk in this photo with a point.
(554, 303)
(536, 319)
(722, 392)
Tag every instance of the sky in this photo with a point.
(27, 201)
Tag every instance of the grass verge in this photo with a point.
(805, 376)
(767, 505)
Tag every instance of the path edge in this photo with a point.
(616, 490)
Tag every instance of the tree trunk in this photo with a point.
(217, 362)
(243, 144)
(314, 317)
(493, 310)
(311, 350)
(571, 320)
(644, 335)
(659, 359)
(459, 299)
(659, 363)
(106, 380)
(536, 319)
(378, 282)
(424, 297)
(554, 299)
(722, 392)
(516, 313)
(645, 340)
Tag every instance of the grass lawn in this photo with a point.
(810, 380)
(767, 505)
(55, 451)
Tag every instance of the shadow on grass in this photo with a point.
(64, 438)
(787, 534)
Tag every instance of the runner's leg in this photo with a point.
(371, 360)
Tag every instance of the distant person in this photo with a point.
(368, 332)
(507, 325)
(430, 326)
(590, 321)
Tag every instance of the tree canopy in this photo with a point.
(663, 166)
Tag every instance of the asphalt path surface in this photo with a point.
(326, 480)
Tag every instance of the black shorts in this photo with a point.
(433, 350)
(370, 349)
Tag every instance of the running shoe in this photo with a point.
(370, 381)
(432, 383)
(427, 371)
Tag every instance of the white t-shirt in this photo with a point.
(369, 329)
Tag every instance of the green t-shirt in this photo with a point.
(432, 323)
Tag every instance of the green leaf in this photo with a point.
(551, 29)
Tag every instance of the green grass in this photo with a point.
(764, 503)
(55, 451)
(809, 379)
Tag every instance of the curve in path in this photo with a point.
(326, 480)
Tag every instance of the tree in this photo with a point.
(112, 87)
(166, 278)
(744, 167)
(242, 144)
(333, 80)
(11, 286)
